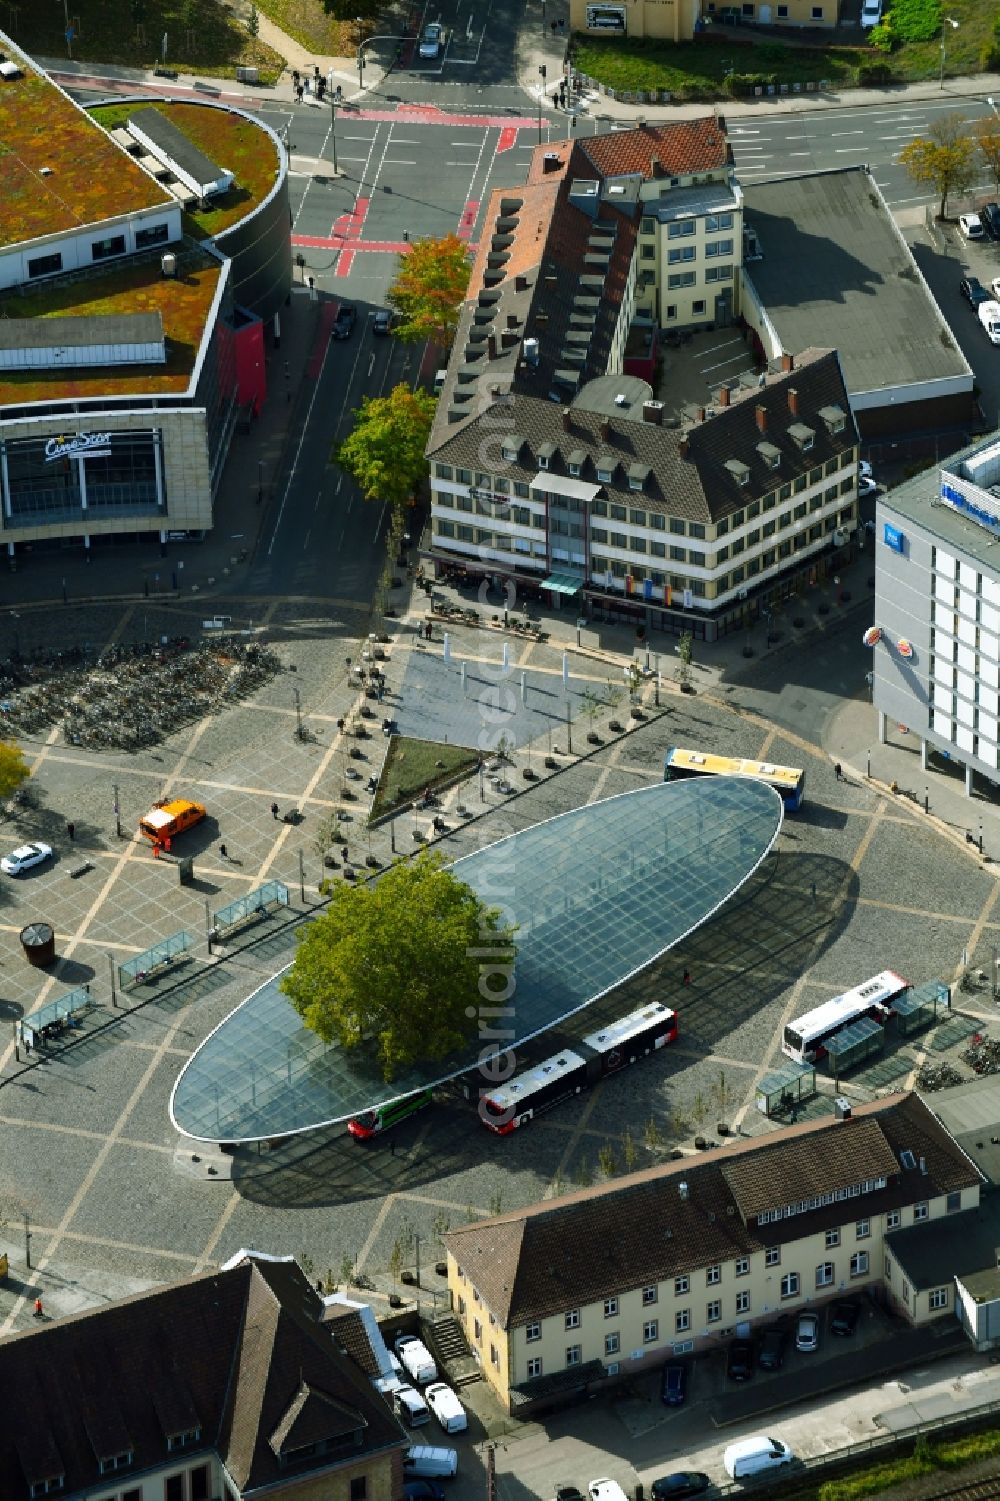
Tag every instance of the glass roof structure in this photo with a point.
(598, 894)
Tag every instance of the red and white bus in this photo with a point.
(574, 1069)
(805, 1038)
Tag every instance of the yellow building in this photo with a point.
(611, 1281)
(679, 20)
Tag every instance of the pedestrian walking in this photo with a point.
(299, 92)
(223, 852)
(392, 1149)
(343, 853)
(39, 1311)
(274, 811)
(71, 831)
(687, 977)
(839, 770)
(814, 890)
(554, 24)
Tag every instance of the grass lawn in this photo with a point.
(412, 765)
(202, 35)
(312, 28)
(963, 45)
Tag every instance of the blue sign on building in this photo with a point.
(893, 537)
(647, 588)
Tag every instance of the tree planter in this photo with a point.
(551, 763)
(687, 687)
(441, 1267)
(593, 738)
(722, 1128)
(528, 774)
(700, 1143)
(372, 862)
(615, 726)
(349, 795)
(408, 1279)
(395, 1301)
(638, 714)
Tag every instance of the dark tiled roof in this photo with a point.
(227, 1353)
(766, 1180)
(695, 485)
(682, 148)
(347, 1326)
(682, 1216)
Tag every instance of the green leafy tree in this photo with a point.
(944, 159)
(392, 968)
(13, 769)
(685, 649)
(430, 284)
(384, 452)
(253, 22)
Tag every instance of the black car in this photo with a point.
(344, 324)
(673, 1388)
(681, 1483)
(844, 1317)
(382, 321)
(771, 1350)
(990, 216)
(569, 1493)
(423, 1490)
(739, 1361)
(973, 291)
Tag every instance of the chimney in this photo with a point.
(788, 362)
(492, 344)
(512, 320)
(567, 425)
(700, 414)
(762, 417)
(720, 121)
(605, 431)
(723, 396)
(551, 279)
(652, 411)
(682, 448)
(551, 161)
(509, 337)
(656, 167)
(521, 283)
(793, 401)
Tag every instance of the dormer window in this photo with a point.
(575, 462)
(770, 454)
(637, 476)
(739, 471)
(183, 1440)
(545, 454)
(835, 418)
(47, 1487)
(605, 465)
(511, 448)
(804, 437)
(116, 1462)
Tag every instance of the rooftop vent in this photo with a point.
(168, 263)
(9, 71)
(621, 400)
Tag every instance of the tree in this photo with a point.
(684, 651)
(988, 140)
(384, 453)
(944, 159)
(13, 769)
(392, 968)
(253, 22)
(430, 284)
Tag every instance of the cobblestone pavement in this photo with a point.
(113, 1198)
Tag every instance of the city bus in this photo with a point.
(575, 1069)
(788, 781)
(805, 1038)
(373, 1122)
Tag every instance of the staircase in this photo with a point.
(451, 1349)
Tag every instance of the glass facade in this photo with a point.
(121, 475)
(598, 893)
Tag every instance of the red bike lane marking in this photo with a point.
(508, 139)
(467, 222)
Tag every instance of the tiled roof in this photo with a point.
(693, 483)
(682, 148)
(682, 1216)
(227, 1353)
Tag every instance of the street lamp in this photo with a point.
(543, 74)
(361, 61)
(945, 21)
(336, 97)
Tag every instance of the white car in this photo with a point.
(971, 226)
(432, 39)
(864, 469)
(871, 14)
(418, 1363)
(606, 1490)
(866, 486)
(446, 1407)
(24, 858)
(995, 285)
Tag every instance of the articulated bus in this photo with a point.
(787, 781)
(373, 1122)
(805, 1038)
(576, 1068)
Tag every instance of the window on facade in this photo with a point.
(790, 1285)
(919, 1212)
(681, 1286)
(772, 1256)
(658, 549)
(637, 544)
(742, 1266)
(892, 1220)
(713, 1312)
(832, 1239)
(521, 491)
(681, 279)
(573, 1319)
(824, 1274)
(682, 1320)
(611, 1308)
(713, 1275)
(698, 307)
(743, 1301)
(650, 1331)
(153, 234)
(679, 254)
(173, 1489)
(649, 1295)
(647, 252)
(494, 1357)
(464, 476)
(44, 265)
(678, 554)
(534, 1366)
(359, 1487)
(862, 1229)
(938, 1297)
(859, 1264)
(612, 1344)
(104, 250)
(954, 1202)
(680, 229)
(671, 310)
(443, 471)
(574, 1354)
(477, 1330)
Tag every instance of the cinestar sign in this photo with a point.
(81, 446)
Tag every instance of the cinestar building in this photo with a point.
(143, 248)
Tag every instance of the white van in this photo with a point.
(409, 1405)
(446, 1407)
(418, 1362)
(426, 1462)
(751, 1456)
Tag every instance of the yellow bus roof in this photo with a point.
(731, 766)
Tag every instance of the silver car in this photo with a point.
(432, 40)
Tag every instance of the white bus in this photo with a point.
(805, 1038)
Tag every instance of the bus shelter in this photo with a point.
(248, 909)
(782, 1092)
(153, 963)
(919, 1007)
(53, 1019)
(852, 1045)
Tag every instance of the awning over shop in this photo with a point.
(563, 583)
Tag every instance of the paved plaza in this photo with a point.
(114, 1199)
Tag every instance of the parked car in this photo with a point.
(428, 1462)
(418, 1363)
(408, 1404)
(346, 317)
(606, 1490)
(423, 1490)
(446, 1407)
(973, 291)
(432, 40)
(844, 1317)
(739, 1361)
(990, 216)
(381, 321)
(807, 1332)
(673, 1387)
(752, 1456)
(995, 286)
(771, 1350)
(864, 469)
(871, 14)
(24, 857)
(681, 1483)
(568, 1493)
(971, 226)
(867, 486)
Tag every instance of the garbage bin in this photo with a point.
(39, 944)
